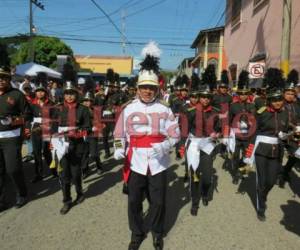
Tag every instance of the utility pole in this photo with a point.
(286, 37)
(123, 33)
(31, 28)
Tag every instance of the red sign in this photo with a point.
(256, 70)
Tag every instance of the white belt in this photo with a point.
(107, 112)
(65, 129)
(193, 152)
(264, 139)
(10, 133)
(37, 120)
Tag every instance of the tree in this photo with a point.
(293, 77)
(4, 59)
(209, 77)
(224, 77)
(45, 51)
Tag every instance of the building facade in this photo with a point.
(253, 37)
(209, 49)
(185, 67)
(100, 64)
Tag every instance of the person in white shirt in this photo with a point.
(145, 132)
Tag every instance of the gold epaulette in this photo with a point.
(261, 110)
(163, 102)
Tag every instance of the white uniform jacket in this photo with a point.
(146, 119)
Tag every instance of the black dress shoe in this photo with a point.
(194, 211)
(99, 171)
(136, 243)
(79, 199)
(65, 209)
(158, 243)
(205, 201)
(37, 179)
(21, 201)
(3, 207)
(261, 215)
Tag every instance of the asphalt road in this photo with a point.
(100, 222)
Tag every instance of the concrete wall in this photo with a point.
(100, 64)
(260, 32)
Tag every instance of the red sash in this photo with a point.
(141, 141)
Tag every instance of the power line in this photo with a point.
(111, 21)
(220, 19)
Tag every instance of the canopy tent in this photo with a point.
(32, 69)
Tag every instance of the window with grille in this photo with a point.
(236, 9)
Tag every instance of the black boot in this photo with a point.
(21, 201)
(158, 243)
(261, 215)
(194, 211)
(136, 242)
(65, 209)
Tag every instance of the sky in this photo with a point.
(173, 24)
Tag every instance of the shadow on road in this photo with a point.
(295, 183)
(41, 189)
(248, 185)
(291, 216)
(177, 198)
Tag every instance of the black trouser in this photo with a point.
(240, 145)
(106, 133)
(138, 185)
(40, 149)
(11, 164)
(292, 160)
(267, 170)
(201, 179)
(91, 153)
(71, 172)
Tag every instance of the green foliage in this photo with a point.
(209, 76)
(45, 51)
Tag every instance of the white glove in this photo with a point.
(297, 153)
(6, 121)
(160, 149)
(282, 135)
(119, 154)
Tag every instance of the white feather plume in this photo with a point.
(151, 49)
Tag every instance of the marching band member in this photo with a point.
(149, 129)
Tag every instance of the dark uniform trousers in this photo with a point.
(71, 173)
(91, 152)
(11, 164)
(109, 128)
(201, 184)
(267, 170)
(40, 148)
(240, 145)
(138, 186)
